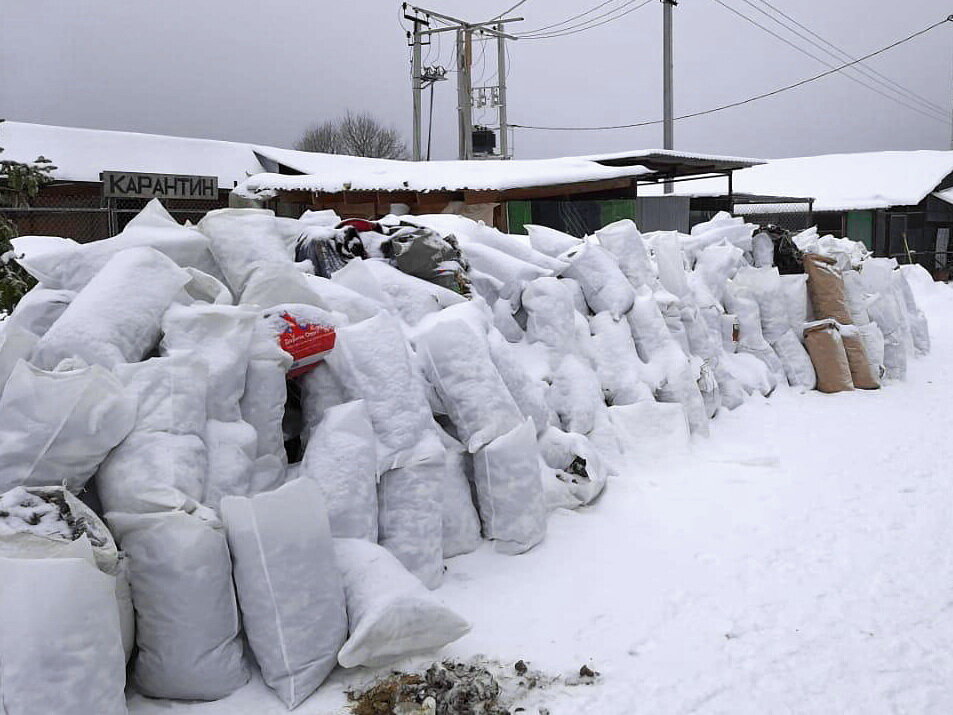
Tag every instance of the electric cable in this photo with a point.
(589, 24)
(749, 100)
(824, 62)
(848, 56)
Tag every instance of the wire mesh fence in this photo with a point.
(90, 219)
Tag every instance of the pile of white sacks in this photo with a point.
(144, 375)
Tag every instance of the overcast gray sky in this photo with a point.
(261, 72)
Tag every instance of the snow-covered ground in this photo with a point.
(798, 560)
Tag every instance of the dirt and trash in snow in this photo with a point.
(246, 396)
(476, 687)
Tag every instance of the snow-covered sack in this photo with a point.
(341, 458)
(289, 587)
(409, 514)
(460, 522)
(390, 614)
(456, 360)
(509, 490)
(57, 427)
(187, 625)
(602, 281)
(162, 464)
(372, 359)
(116, 317)
(72, 604)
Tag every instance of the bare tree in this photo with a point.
(356, 135)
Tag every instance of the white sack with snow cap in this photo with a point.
(231, 460)
(797, 364)
(272, 284)
(461, 524)
(796, 301)
(61, 263)
(15, 344)
(549, 241)
(288, 584)
(764, 285)
(39, 309)
(741, 303)
(753, 374)
(716, 265)
(205, 288)
(242, 240)
(187, 625)
(577, 463)
(412, 297)
(116, 318)
(221, 336)
(513, 273)
(549, 313)
(874, 344)
(623, 240)
(263, 399)
(409, 514)
(341, 458)
(334, 296)
(320, 391)
(60, 638)
(671, 263)
(919, 329)
(372, 361)
(57, 427)
(516, 246)
(575, 395)
(162, 464)
(762, 250)
(456, 360)
(625, 378)
(604, 284)
(528, 391)
(509, 490)
(857, 297)
(390, 614)
(504, 322)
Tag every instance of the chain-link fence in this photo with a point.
(790, 216)
(90, 218)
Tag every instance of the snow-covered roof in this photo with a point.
(81, 154)
(333, 172)
(840, 182)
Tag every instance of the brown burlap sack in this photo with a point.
(825, 284)
(861, 373)
(826, 348)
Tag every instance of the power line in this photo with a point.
(825, 62)
(583, 27)
(569, 19)
(507, 12)
(750, 99)
(904, 97)
(869, 70)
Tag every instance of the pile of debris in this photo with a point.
(289, 424)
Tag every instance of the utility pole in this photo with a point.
(417, 85)
(464, 93)
(501, 83)
(668, 104)
(424, 76)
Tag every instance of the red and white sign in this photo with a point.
(306, 342)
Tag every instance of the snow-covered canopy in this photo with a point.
(81, 154)
(840, 182)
